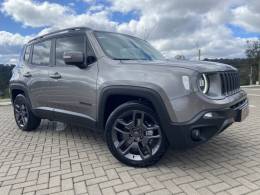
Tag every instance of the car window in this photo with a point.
(125, 47)
(66, 44)
(41, 53)
(21, 57)
(27, 54)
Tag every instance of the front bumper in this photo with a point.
(201, 128)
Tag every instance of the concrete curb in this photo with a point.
(5, 102)
(250, 86)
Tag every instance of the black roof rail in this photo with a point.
(60, 31)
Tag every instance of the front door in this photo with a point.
(73, 90)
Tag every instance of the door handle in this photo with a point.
(27, 74)
(56, 75)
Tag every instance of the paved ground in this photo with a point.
(77, 161)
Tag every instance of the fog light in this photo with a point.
(195, 135)
(208, 115)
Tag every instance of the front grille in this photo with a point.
(230, 82)
(237, 105)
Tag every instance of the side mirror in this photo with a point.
(74, 58)
(91, 59)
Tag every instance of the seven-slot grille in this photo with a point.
(230, 82)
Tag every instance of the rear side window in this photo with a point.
(27, 54)
(41, 53)
(66, 44)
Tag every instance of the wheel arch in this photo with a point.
(16, 89)
(137, 93)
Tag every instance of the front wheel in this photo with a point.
(134, 135)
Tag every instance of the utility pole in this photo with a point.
(251, 75)
(199, 50)
(259, 72)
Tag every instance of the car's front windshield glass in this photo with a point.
(124, 47)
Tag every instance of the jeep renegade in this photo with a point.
(121, 85)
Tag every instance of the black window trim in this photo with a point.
(32, 50)
(92, 50)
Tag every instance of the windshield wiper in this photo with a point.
(124, 59)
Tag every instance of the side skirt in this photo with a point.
(66, 117)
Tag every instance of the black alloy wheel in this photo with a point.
(134, 135)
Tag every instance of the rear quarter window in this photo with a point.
(19, 64)
(27, 51)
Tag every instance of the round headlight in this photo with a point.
(204, 83)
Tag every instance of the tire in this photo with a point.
(23, 115)
(134, 135)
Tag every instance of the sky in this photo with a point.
(220, 28)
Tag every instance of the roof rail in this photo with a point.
(60, 31)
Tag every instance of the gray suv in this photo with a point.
(120, 85)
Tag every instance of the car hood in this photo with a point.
(200, 66)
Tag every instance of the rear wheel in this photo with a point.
(134, 135)
(24, 117)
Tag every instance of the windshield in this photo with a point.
(124, 47)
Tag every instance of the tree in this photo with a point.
(253, 55)
(180, 57)
(5, 75)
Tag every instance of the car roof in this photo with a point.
(60, 32)
(72, 30)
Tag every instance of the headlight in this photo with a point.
(204, 83)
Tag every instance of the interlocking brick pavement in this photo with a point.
(77, 161)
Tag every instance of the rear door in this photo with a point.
(37, 73)
(73, 89)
